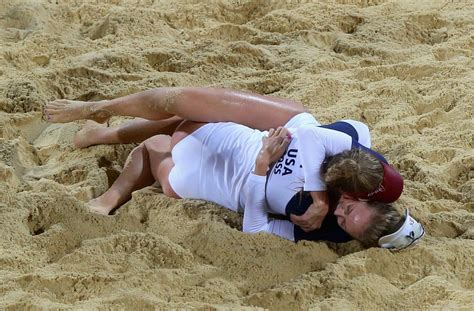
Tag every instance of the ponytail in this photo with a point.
(353, 171)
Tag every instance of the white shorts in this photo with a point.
(213, 163)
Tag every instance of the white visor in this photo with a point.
(410, 232)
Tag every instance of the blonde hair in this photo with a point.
(353, 170)
(385, 220)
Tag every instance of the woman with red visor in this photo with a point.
(323, 159)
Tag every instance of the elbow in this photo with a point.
(254, 230)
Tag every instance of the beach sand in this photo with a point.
(405, 68)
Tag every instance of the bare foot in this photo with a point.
(89, 135)
(65, 110)
(97, 207)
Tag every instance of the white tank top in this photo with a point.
(299, 168)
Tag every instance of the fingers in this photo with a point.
(304, 223)
(310, 228)
(285, 142)
(285, 134)
(284, 131)
(298, 220)
(276, 143)
(280, 132)
(274, 136)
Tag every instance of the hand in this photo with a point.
(274, 146)
(313, 218)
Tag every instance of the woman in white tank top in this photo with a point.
(220, 155)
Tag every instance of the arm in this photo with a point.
(256, 214)
(315, 144)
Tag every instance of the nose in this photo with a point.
(339, 211)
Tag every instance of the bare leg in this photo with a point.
(148, 162)
(135, 175)
(134, 131)
(195, 104)
(159, 148)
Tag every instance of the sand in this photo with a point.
(404, 67)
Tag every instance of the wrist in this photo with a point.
(261, 165)
(322, 207)
(263, 160)
(320, 197)
(260, 169)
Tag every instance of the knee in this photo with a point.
(169, 192)
(161, 143)
(164, 176)
(300, 108)
(139, 148)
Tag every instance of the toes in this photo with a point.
(57, 103)
(46, 116)
(55, 106)
(52, 109)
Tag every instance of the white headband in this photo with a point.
(408, 234)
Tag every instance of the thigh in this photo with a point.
(161, 163)
(222, 105)
(155, 127)
(183, 130)
(182, 175)
(159, 149)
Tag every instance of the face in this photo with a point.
(353, 216)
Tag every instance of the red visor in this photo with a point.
(389, 190)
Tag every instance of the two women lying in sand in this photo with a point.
(233, 162)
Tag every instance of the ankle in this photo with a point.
(106, 135)
(100, 111)
(107, 200)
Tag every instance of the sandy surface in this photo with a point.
(404, 67)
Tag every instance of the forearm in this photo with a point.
(320, 201)
(313, 217)
(261, 168)
(256, 215)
